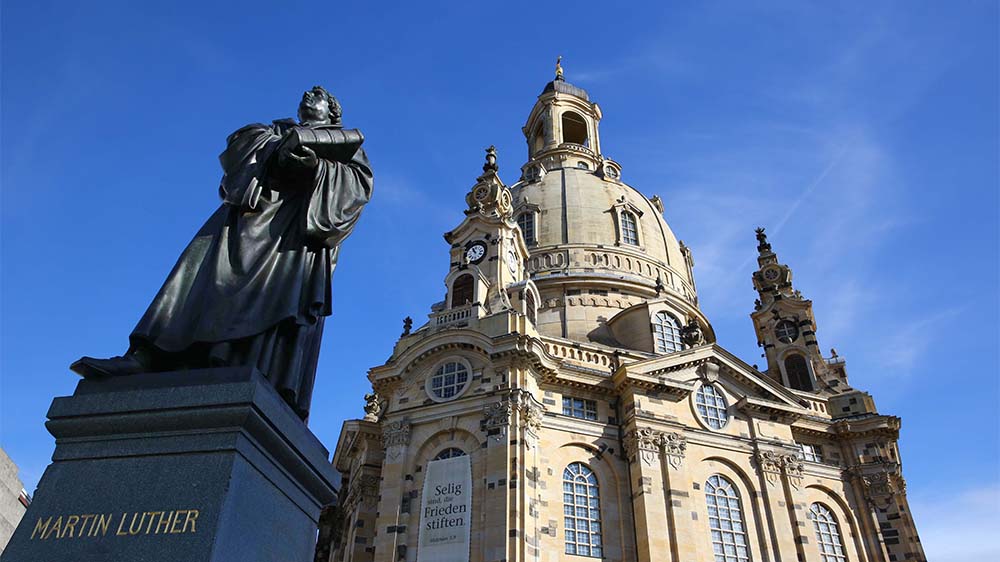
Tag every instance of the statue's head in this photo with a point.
(319, 107)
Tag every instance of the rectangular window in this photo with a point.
(579, 408)
(526, 221)
(630, 232)
(810, 452)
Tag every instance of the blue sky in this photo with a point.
(863, 135)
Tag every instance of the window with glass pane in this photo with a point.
(811, 452)
(666, 333)
(526, 221)
(449, 380)
(530, 307)
(787, 331)
(630, 233)
(450, 452)
(712, 407)
(462, 290)
(581, 511)
(798, 372)
(579, 408)
(831, 548)
(725, 521)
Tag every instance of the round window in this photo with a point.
(711, 406)
(448, 381)
(786, 331)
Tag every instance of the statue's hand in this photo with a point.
(303, 156)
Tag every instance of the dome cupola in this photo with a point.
(598, 247)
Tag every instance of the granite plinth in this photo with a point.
(204, 465)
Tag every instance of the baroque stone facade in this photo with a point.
(571, 363)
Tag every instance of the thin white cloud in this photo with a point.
(959, 527)
(901, 350)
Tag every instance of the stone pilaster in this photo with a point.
(884, 491)
(791, 471)
(498, 458)
(779, 516)
(390, 526)
(643, 448)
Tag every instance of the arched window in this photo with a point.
(711, 406)
(581, 511)
(462, 290)
(666, 333)
(725, 521)
(449, 381)
(798, 372)
(539, 140)
(831, 547)
(574, 129)
(530, 307)
(630, 232)
(449, 453)
(526, 221)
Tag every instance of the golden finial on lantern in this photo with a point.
(559, 69)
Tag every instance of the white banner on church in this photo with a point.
(446, 511)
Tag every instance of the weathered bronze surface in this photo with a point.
(254, 286)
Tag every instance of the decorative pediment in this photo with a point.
(672, 374)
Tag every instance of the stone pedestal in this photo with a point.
(206, 465)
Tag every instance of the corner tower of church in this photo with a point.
(567, 400)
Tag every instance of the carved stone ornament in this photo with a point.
(363, 490)
(396, 434)
(882, 485)
(496, 419)
(532, 414)
(769, 463)
(792, 466)
(708, 372)
(644, 442)
(373, 407)
(692, 335)
(674, 447)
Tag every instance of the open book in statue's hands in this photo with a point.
(329, 143)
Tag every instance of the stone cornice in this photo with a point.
(676, 390)
(867, 426)
(352, 432)
(768, 409)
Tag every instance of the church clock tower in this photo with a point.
(487, 273)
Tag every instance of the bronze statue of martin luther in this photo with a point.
(253, 287)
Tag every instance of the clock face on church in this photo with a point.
(771, 273)
(512, 262)
(476, 252)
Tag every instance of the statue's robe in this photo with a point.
(254, 285)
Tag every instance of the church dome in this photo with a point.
(598, 247)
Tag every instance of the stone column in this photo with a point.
(361, 503)
(525, 474)
(680, 506)
(496, 529)
(390, 526)
(776, 506)
(649, 493)
(884, 491)
(791, 470)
